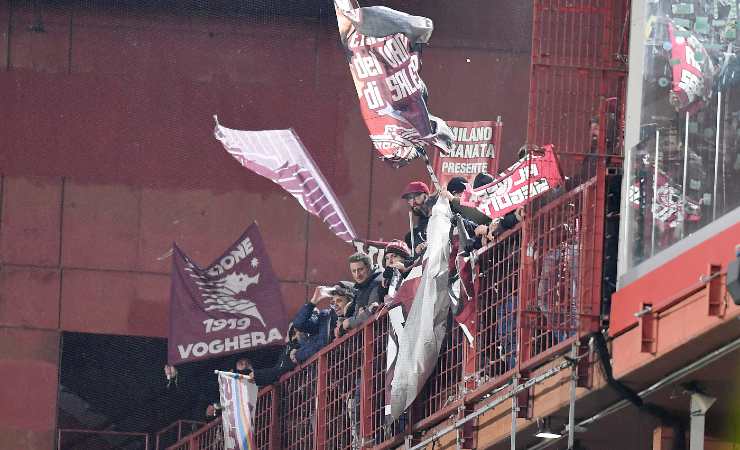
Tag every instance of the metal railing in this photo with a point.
(537, 289)
(174, 432)
(74, 439)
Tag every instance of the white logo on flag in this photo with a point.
(222, 294)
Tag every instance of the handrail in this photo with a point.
(132, 434)
(190, 439)
(179, 424)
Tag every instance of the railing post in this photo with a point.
(321, 386)
(275, 443)
(469, 352)
(523, 341)
(592, 255)
(366, 389)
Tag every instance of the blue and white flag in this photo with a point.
(238, 401)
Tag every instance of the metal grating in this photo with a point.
(298, 408)
(578, 62)
(263, 418)
(445, 383)
(343, 393)
(498, 302)
(580, 33)
(379, 430)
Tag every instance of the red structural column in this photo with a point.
(275, 443)
(366, 388)
(525, 261)
(321, 386)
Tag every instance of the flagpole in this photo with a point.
(655, 190)
(716, 154)
(437, 187)
(432, 175)
(232, 374)
(685, 175)
(411, 230)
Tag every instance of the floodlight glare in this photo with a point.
(544, 430)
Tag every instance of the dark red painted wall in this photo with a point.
(107, 156)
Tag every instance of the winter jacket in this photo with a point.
(269, 375)
(318, 324)
(368, 292)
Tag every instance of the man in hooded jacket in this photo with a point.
(368, 290)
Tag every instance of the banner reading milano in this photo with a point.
(475, 148)
(231, 306)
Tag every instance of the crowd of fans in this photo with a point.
(351, 303)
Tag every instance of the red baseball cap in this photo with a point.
(399, 248)
(415, 187)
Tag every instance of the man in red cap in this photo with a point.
(420, 203)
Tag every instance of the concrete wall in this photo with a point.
(107, 156)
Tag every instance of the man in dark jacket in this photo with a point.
(263, 377)
(368, 291)
(317, 325)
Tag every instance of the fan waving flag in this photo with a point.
(279, 155)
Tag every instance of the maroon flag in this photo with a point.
(279, 155)
(527, 178)
(231, 306)
(692, 70)
(475, 148)
(382, 46)
(374, 249)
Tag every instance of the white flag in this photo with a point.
(238, 401)
(426, 325)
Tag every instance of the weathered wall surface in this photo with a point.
(107, 156)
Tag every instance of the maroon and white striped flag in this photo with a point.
(280, 156)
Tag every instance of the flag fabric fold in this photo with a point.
(383, 51)
(238, 402)
(420, 338)
(381, 21)
(279, 155)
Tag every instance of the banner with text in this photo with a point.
(475, 148)
(534, 174)
(232, 306)
(382, 47)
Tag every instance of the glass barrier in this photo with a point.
(683, 166)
